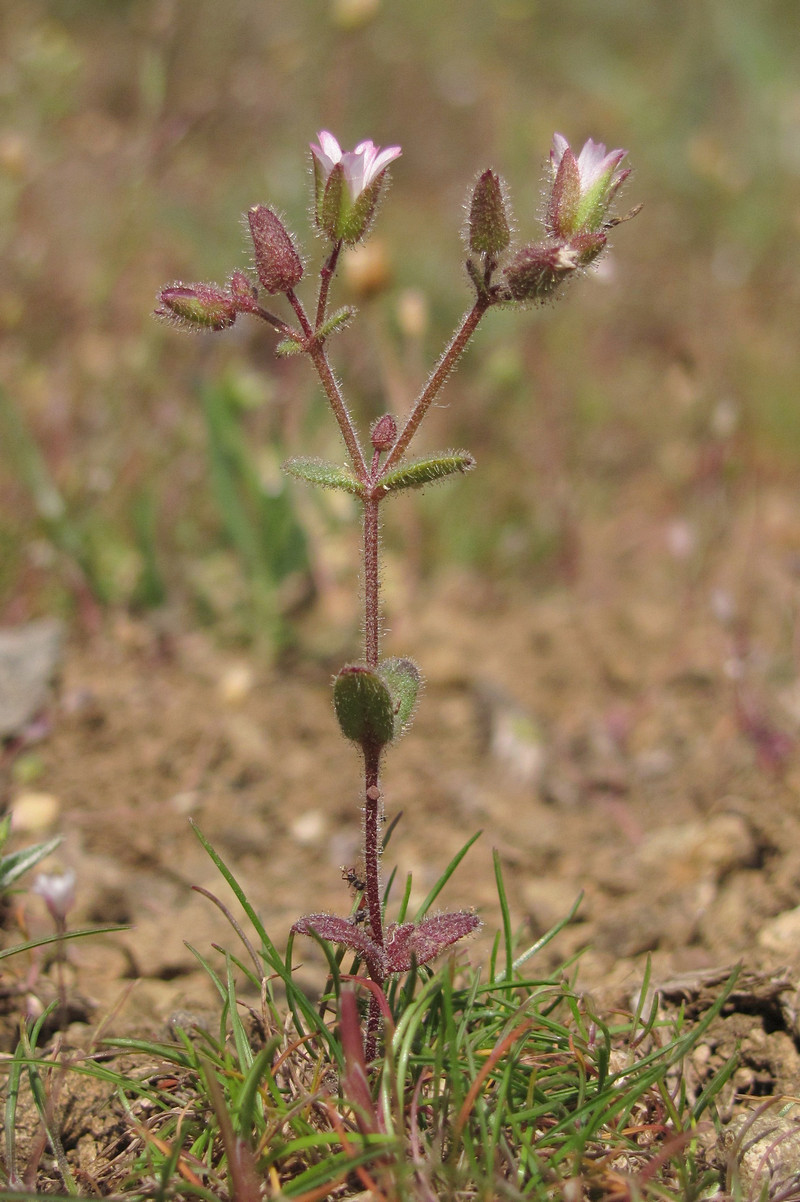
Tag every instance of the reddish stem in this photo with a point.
(372, 843)
(331, 388)
(275, 322)
(325, 277)
(371, 581)
(447, 362)
(372, 873)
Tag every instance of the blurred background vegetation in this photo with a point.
(140, 467)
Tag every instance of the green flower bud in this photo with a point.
(489, 230)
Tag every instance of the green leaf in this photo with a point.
(288, 346)
(420, 472)
(363, 706)
(13, 866)
(337, 321)
(326, 475)
(403, 679)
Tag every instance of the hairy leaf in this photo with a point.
(326, 475)
(420, 472)
(363, 706)
(417, 943)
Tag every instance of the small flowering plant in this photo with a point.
(375, 698)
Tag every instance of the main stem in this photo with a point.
(370, 479)
(373, 803)
(372, 791)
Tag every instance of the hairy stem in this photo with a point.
(276, 323)
(447, 362)
(371, 581)
(336, 401)
(331, 389)
(325, 277)
(372, 845)
(372, 874)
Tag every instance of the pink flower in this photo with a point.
(361, 166)
(347, 185)
(583, 186)
(58, 891)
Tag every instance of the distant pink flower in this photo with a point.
(347, 185)
(58, 891)
(583, 186)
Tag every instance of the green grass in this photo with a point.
(494, 1083)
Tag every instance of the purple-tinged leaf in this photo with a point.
(355, 1080)
(342, 930)
(411, 943)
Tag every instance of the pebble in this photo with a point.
(693, 851)
(236, 683)
(549, 900)
(33, 813)
(308, 828)
(767, 1151)
(781, 935)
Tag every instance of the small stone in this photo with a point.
(516, 741)
(29, 659)
(766, 1148)
(549, 900)
(308, 828)
(693, 851)
(236, 683)
(781, 935)
(32, 813)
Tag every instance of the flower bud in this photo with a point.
(347, 186)
(197, 306)
(243, 292)
(587, 247)
(536, 272)
(489, 231)
(277, 262)
(384, 433)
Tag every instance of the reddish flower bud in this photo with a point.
(587, 247)
(536, 272)
(384, 433)
(489, 231)
(278, 263)
(197, 306)
(243, 291)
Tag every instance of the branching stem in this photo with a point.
(447, 362)
(330, 385)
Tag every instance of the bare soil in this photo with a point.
(630, 736)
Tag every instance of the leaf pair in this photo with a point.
(414, 474)
(375, 706)
(407, 943)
